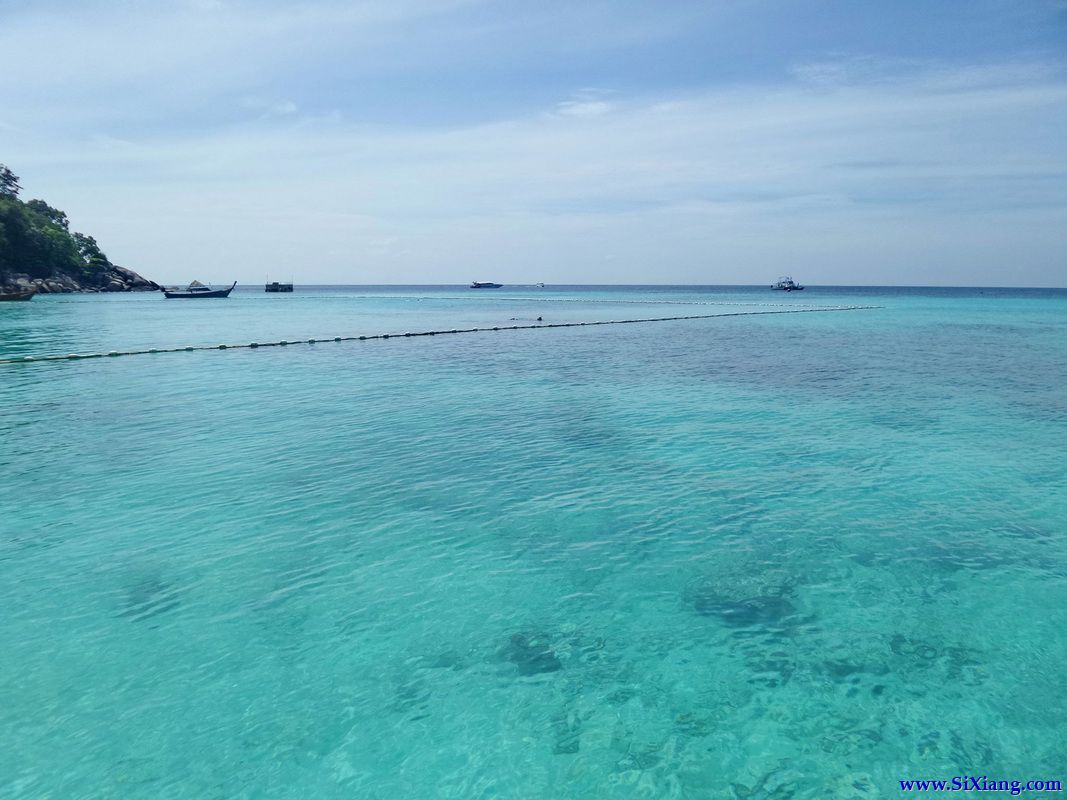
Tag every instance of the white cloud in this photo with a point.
(586, 102)
(117, 64)
(583, 108)
(882, 180)
(266, 107)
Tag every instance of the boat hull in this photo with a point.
(198, 295)
(17, 296)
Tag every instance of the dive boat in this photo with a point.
(21, 294)
(485, 285)
(786, 284)
(197, 289)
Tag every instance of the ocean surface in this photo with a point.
(767, 556)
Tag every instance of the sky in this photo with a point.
(862, 142)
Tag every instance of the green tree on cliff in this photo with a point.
(35, 239)
(53, 215)
(91, 254)
(9, 182)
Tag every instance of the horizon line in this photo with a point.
(697, 285)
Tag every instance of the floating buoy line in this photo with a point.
(586, 300)
(446, 332)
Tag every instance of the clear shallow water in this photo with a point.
(772, 556)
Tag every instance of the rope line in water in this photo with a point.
(286, 342)
(597, 300)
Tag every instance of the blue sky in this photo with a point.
(624, 142)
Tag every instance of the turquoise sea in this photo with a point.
(770, 556)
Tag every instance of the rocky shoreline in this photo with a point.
(113, 279)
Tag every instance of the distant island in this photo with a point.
(37, 249)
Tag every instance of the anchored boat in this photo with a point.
(197, 289)
(787, 284)
(22, 294)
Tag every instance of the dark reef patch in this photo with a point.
(531, 653)
(771, 670)
(446, 659)
(743, 604)
(148, 597)
(769, 611)
(566, 733)
(747, 599)
(412, 698)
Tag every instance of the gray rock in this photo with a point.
(128, 276)
(114, 279)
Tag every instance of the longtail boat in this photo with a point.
(21, 294)
(197, 289)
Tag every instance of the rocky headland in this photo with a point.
(114, 279)
(38, 250)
